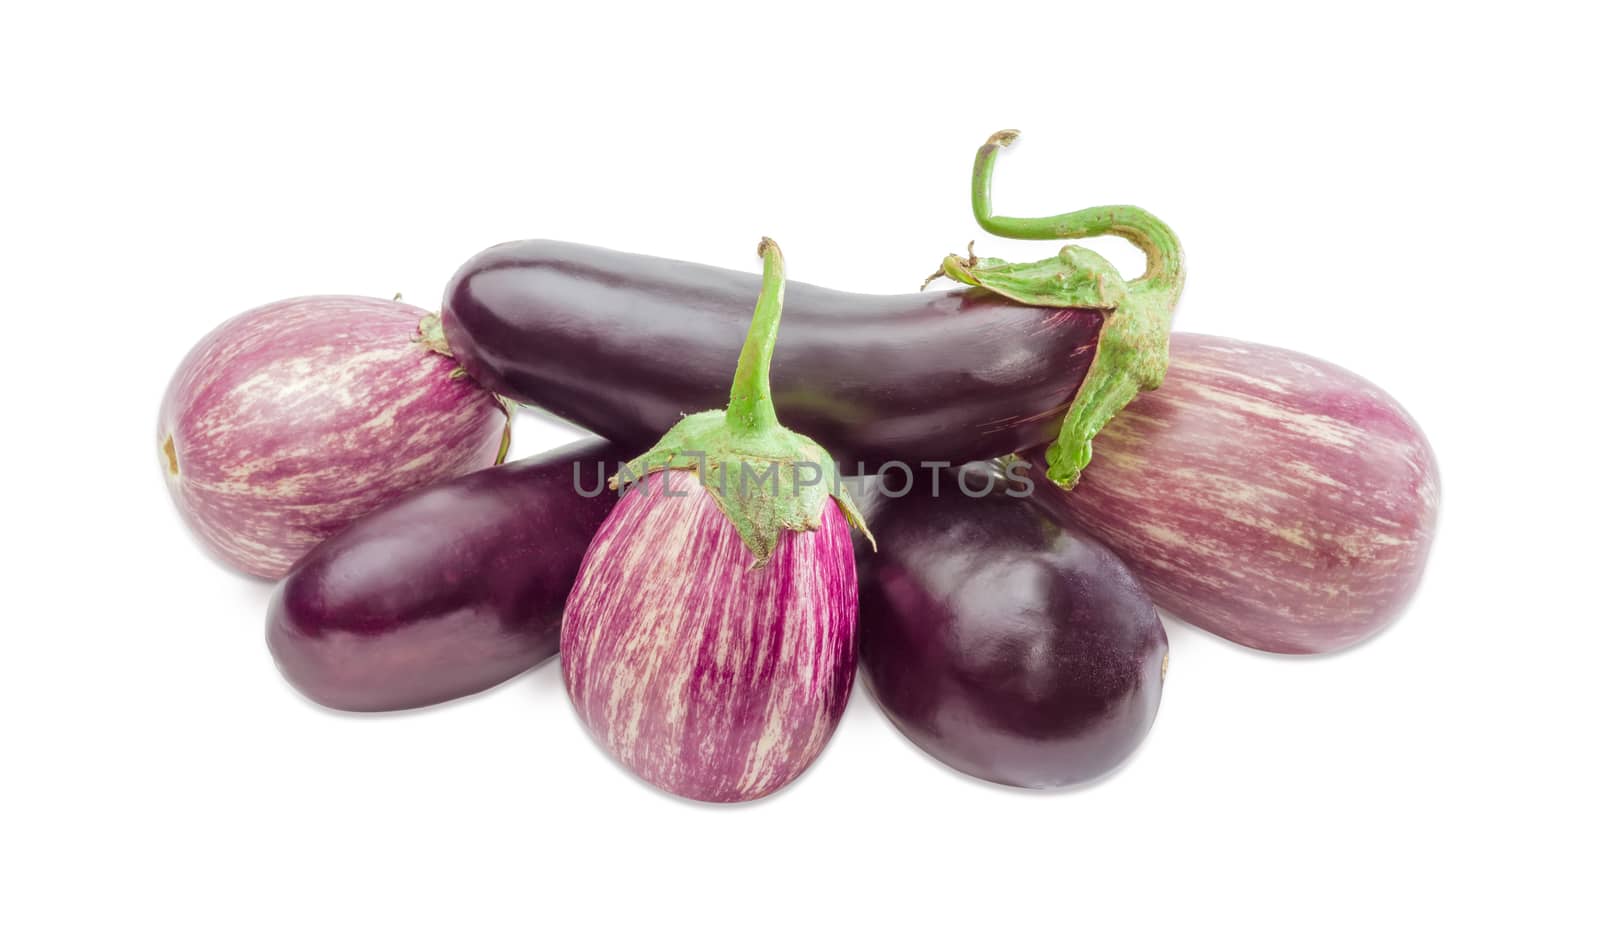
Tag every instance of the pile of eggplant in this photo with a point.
(979, 496)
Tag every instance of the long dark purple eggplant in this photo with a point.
(1001, 642)
(1025, 354)
(625, 345)
(446, 592)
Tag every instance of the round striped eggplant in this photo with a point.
(1263, 495)
(1002, 643)
(289, 421)
(709, 643)
(450, 590)
(708, 678)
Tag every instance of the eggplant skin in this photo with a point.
(1004, 644)
(624, 345)
(1271, 498)
(446, 592)
(705, 677)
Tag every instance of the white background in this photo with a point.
(1406, 191)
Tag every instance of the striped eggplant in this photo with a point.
(450, 590)
(1002, 643)
(1263, 495)
(289, 421)
(708, 678)
(709, 642)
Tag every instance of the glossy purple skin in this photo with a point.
(624, 344)
(1266, 496)
(710, 679)
(443, 593)
(1003, 644)
(290, 421)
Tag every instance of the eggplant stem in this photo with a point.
(1131, 353)
(1163, 255)
(748, 436)
(430, 335)
(750, 409)
(510, 408)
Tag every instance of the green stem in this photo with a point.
(750, 410)
(766, 479)
(1131, 354)
(1163, 255)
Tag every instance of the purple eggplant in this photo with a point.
(624, 345)
(1002, 643)
(1028, 353)
(709, 643)
(446, 592)
(583, 331)
(1263, 495)
(290, 421)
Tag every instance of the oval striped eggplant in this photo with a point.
(450, 590)
(1263, 495)
(709, 643)
(291, 420)
(706, 677)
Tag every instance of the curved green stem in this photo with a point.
(1131, 354)
(1162, 252)
(750, 409)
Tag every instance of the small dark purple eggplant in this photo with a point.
(1002, 643)
(445, 592)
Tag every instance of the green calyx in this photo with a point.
(765, 478)
(430, 335)
(1131, 355)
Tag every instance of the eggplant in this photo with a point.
(624, 345)
(1027, 353)
(709, 642)
(1006, 645)
(1274, 499)
(448, 591)
(707, 677)
(290, 421)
